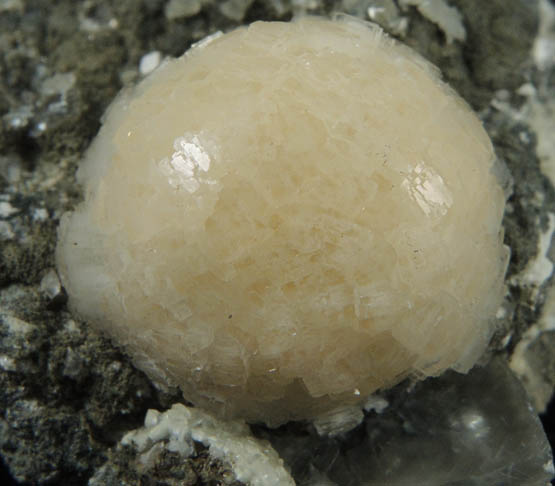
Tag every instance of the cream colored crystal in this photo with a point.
(287, 218)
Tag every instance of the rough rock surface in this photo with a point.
(67, 396)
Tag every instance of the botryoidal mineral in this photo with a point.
(288, 218)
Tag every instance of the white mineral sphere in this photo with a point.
(288, 218)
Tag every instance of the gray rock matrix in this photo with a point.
(68, 396)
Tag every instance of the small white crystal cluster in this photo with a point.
(288, 218)
(447, 18)
(253, 461)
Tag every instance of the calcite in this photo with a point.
(477, 429)
(288, 218)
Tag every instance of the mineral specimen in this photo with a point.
(254, 462)
(287, 218)
(473, 430)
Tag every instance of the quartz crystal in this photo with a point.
(288, 218)
(477, 429)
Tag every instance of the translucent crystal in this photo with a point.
(458, 430)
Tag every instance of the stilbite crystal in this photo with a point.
(288, 218)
